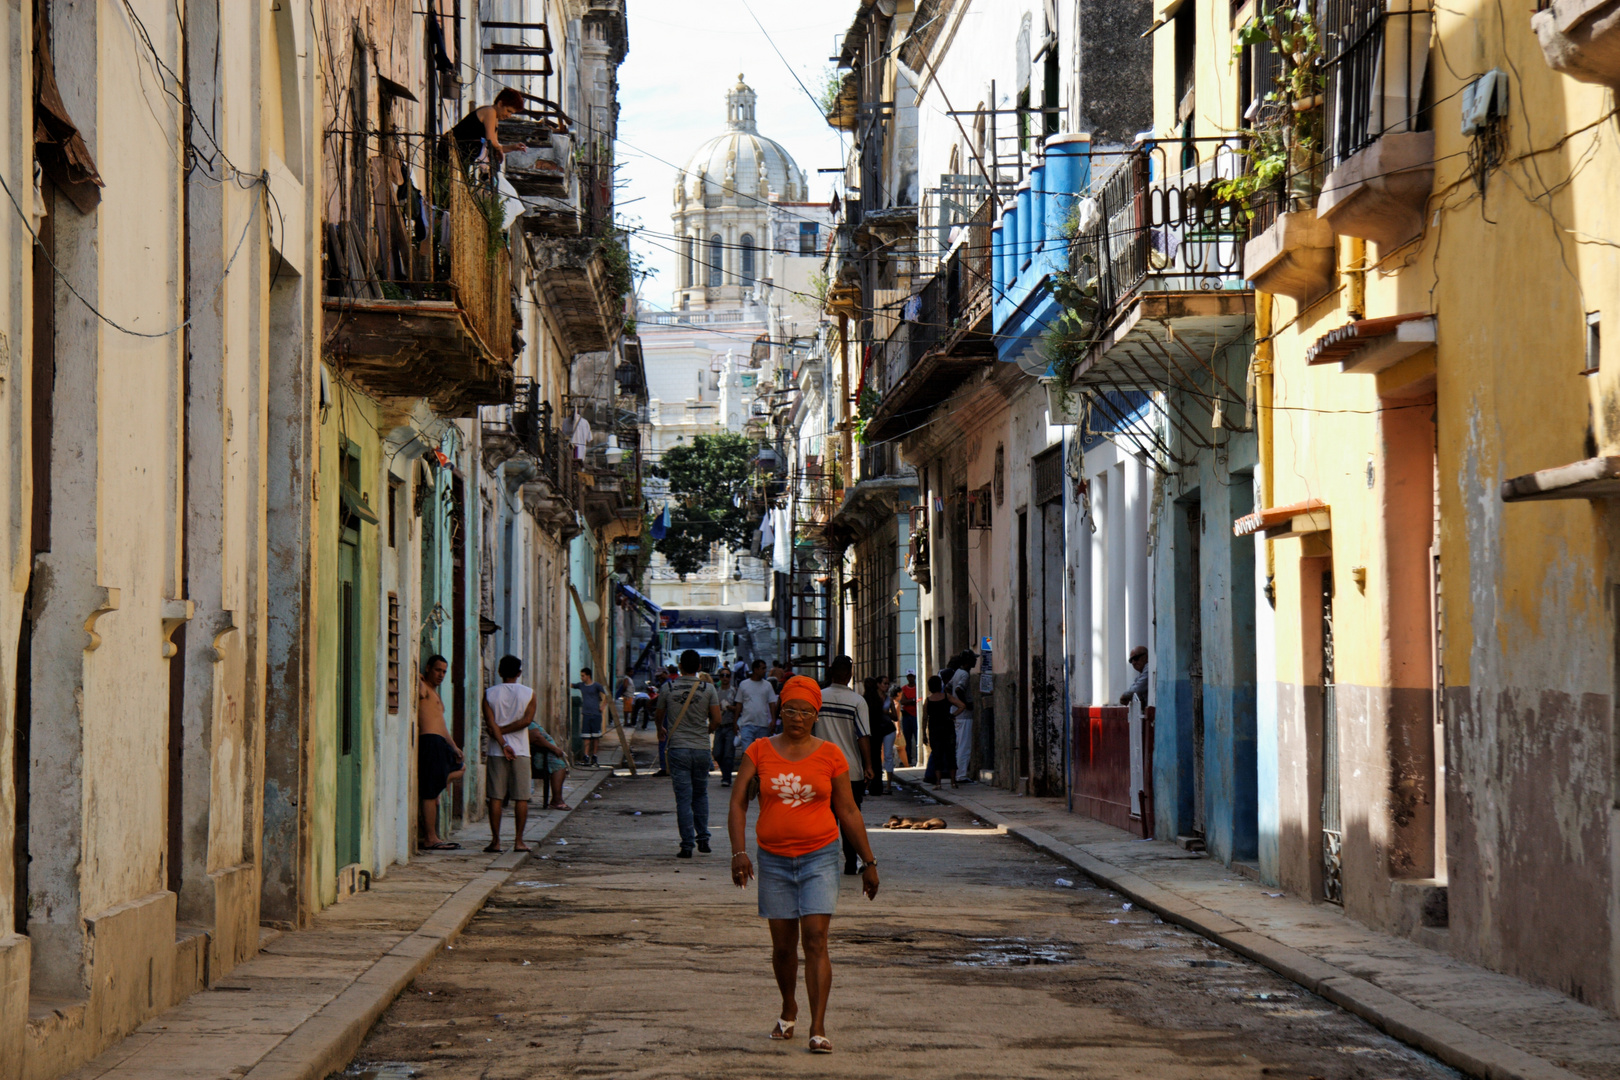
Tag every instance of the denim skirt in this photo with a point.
(794, 886)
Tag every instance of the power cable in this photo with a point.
(68, 284)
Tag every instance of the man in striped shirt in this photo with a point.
(845, 722)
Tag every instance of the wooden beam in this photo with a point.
(596, 663)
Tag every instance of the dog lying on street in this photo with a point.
(898, 822)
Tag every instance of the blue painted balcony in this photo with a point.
(1032, 241)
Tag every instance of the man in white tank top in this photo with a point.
(508, 711)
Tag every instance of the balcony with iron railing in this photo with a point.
(1378, 143)
(1158, 260)
(1156, 222)
(418, 289)
(552, 488)
(1581, 38)
(942, 336)
(513, 430)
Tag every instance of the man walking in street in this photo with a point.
(845, 721)
(508, 712)
(439, 760)
(688, 716)
(1139, 685)
(963, 716)
(591, 694)
(756, 708)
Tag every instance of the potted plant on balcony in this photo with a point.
(1293, 252)
(1070, 336)
(1285, 154)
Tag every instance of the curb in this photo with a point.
(326, 1042)
(1453, 1043)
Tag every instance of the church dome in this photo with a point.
(740, 167)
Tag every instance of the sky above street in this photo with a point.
(684, 56)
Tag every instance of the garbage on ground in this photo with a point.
(1064, 883)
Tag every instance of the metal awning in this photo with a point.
(1368, 346)
(1280, 522)
(651, 610)
(1594, 478)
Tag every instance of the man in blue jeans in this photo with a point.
(688, 715)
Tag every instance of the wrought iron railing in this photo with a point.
(952, 297)
(1375, 56)
(878, 460)
(1157, 222)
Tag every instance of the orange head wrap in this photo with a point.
(799, 688)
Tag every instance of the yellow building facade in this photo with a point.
(1437, 663)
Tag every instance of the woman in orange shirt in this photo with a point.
(805, 796)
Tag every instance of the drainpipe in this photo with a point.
(1263, 357)
(846, 425)
(1358, 278)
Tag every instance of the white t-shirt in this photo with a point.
(843, 719)
(959, 685)
(508, 701)
(756, 699)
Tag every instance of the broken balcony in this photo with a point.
(1581, 39)
(564, 192)
(418, 294)
(573, 279)
(1380, 151)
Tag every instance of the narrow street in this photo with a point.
(606, 956)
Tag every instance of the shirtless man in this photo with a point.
(438, 759)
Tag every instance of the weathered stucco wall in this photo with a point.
(1529, 619)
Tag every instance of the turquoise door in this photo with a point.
(350, 743)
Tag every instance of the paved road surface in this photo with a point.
(610, 958)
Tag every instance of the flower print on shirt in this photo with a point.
(792, 789)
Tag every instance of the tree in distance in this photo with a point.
(711, 479)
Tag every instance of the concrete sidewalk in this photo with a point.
(1483, 1023)
(299, 1010)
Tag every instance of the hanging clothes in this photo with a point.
(782, 553)
(581, 436)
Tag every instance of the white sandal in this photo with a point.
(783, 1030)
(820, 1044)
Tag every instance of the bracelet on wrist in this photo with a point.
(735, 854)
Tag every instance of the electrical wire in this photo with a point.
(68, 283)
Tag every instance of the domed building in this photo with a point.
(750, 243)
(722, 207)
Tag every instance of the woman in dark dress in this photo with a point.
(941, 731)
(481, 125)
(872, 691)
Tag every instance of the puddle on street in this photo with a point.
(1015, 952)
(382, 1070)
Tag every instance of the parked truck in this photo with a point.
(716, 648)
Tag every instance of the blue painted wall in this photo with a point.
(1220, 596)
